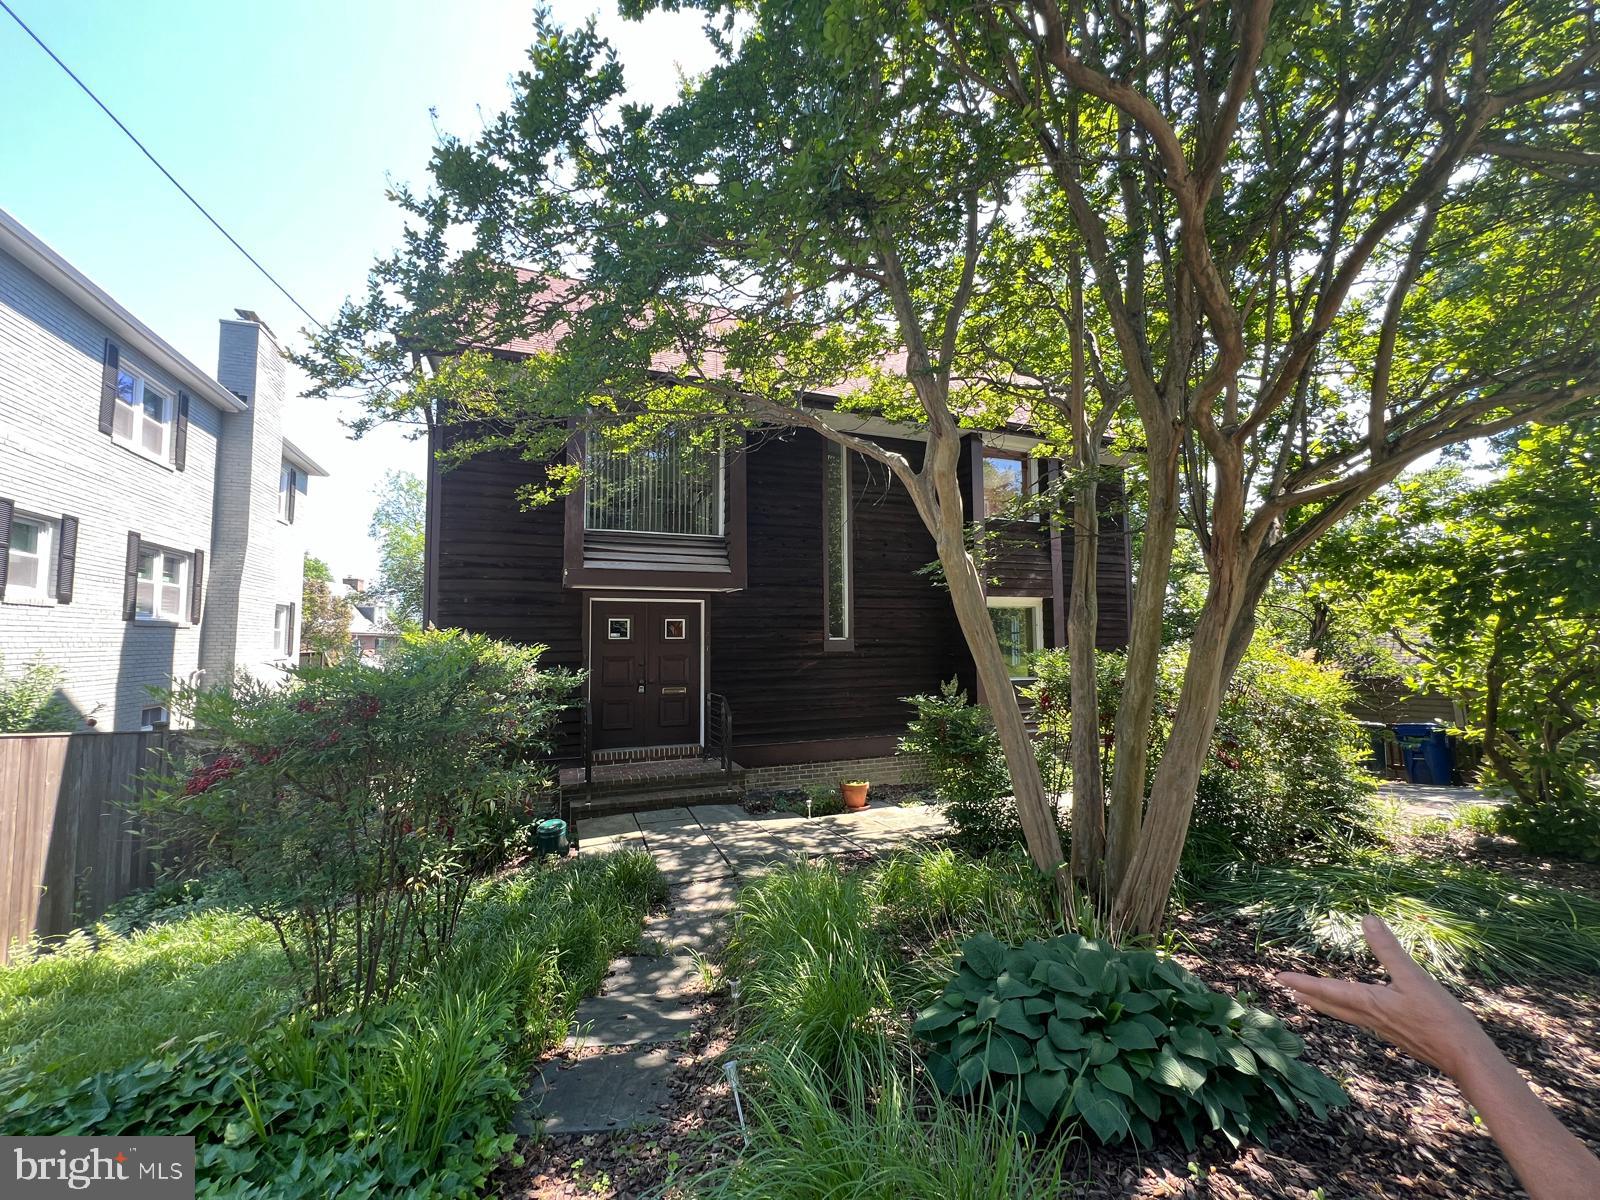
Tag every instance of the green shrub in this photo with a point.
(934, 891)
(961, 750)
(873, 1134)
(1456, 921)
(413, 1099)
(1564, 825)
(813, 969)
(1284, 776)
(31, 701)
(357, 804)
(1113, 1043)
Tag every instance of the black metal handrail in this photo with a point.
(719, 730)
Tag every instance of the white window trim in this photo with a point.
(135, 442)
(1035, 605)
(288, 478)
(45, 590)
(282, 636)
(164, 718)
(185, 566)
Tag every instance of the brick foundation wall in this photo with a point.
(888, 768)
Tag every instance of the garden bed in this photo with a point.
(1406, 1132)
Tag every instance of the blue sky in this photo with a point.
(287, 120)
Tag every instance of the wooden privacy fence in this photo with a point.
(69, 846)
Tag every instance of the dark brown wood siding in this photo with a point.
(497, 569)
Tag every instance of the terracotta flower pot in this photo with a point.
(855, 794)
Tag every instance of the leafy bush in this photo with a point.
(31, 701)
(412, 1100)
(1566, 824)
(1121, 1043)
(1456, 921)
(958, 743)
(814, 969)
(1284, 775)
(357, 804)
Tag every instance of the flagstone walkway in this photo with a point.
(619, 1069)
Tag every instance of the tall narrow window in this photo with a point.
(836, 557)
(1019, 625)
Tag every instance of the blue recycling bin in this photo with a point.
(1428, 756)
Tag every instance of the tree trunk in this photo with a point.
(1083, 624)
(1039, 827)
(1131, 737)
(1142, 894)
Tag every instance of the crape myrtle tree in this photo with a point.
(1321, 243)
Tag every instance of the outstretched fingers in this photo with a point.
(1388, 951)
(1341, 998)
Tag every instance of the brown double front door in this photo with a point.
(644, 673)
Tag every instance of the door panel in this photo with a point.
(645, 669)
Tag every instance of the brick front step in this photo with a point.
(645, 800)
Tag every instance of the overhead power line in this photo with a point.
(143, 149)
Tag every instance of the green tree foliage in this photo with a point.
(31, 701)
(357, 804)
(1296, 294)
(324, 617)
(1499, 588)
(399, 523)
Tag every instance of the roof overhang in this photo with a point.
(301, 459)
(126, 328)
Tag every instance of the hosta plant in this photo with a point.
(1114, 1043)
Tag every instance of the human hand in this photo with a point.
(1413, 1010)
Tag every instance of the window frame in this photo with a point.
(720, 502)
(288, 482)
(1031, 604)
(44, 555)
(840, 498)
(1030, 478)
(149, 726)
(156, 615)
(282, 615)
(168, 422)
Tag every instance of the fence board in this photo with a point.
(69, 846)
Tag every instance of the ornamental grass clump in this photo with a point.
(1113, 1044)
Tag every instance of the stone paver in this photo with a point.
(610, 1091)
(651, 998)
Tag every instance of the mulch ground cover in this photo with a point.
(1407, 1131)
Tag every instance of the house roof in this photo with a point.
(26, 248)
(556, 290)
(301, 459)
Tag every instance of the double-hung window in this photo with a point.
(288, 483)
(162, 585)
(1019, 624)
(837, 566)
(282, 629)
(143, 416)
(29, 573)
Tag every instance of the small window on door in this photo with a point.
(619, 629)
(675, 629)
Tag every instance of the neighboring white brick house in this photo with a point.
(145, 536)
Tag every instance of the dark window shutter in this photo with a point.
(292, 649)
(197, 571)
(130, 579)
(180, 432)
(6, 509)
(66, 559)
(108, 387)
(294, 477)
